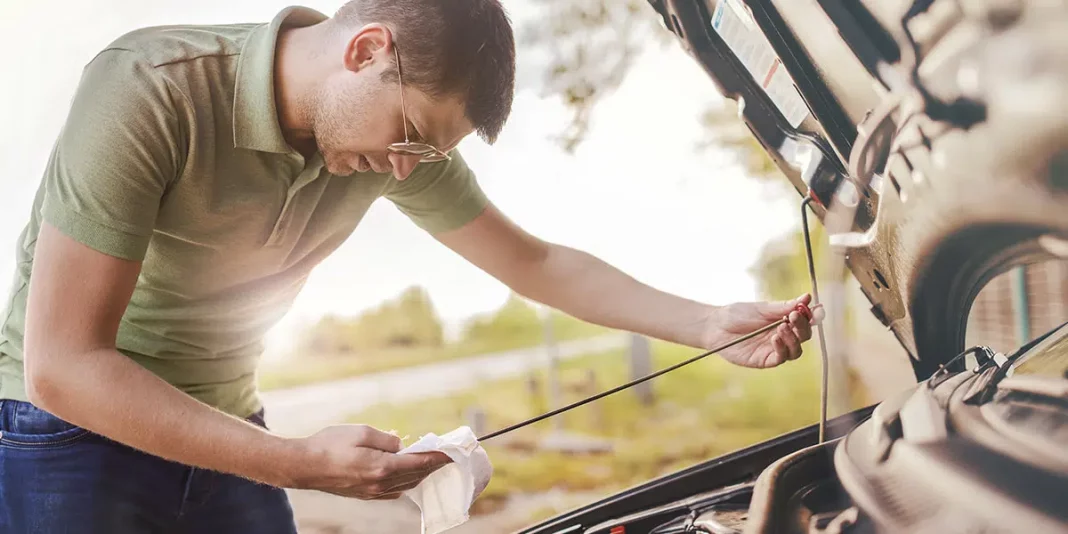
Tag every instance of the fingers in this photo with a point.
(404, 482)
(373, 438)
(790, 340)
(381, 483)
(395, 487)
(776, 310)
(801, 328)
(781, 352)
(422, 461)
(395, 473)
(387, 497)
(401, 488)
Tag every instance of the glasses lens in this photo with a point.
(413, 149)
(425, 152)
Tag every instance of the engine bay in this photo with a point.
(916, 464)
(947, 166)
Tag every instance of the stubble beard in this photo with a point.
(330, 124)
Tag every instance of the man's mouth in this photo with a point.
(365, 164)
(362, 163)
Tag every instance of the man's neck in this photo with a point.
(295, 84)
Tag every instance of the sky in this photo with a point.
(636, 194)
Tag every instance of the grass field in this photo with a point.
(701, 411)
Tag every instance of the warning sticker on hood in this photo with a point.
(733, 23)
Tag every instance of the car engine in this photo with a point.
(957, 173)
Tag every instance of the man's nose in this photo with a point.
(403, 165)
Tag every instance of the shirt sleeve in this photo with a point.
(441, 196)
(114, 157)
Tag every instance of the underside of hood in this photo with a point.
(953, 171)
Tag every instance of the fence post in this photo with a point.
(554, 365)
(476, 417)
(596, 408)
(641, 364)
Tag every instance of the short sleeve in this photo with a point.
(440, 196)
(114, 158)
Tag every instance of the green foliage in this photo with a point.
(406, 321)
(405, 331)
(515, 320)
(517, 324)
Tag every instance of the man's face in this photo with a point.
(358, 115)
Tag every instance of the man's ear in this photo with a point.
(369, 44)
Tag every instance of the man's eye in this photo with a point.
(415, 136)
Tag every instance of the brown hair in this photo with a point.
(450, 47)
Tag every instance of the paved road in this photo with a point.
(306, 409)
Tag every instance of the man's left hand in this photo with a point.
(769, 349)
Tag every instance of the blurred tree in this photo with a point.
(592, 44)
(407, 320)
(515, 320)
(724, 129)
(517, 323)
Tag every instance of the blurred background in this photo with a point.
(618, 145)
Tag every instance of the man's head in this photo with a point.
(457, 64)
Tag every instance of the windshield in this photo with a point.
(1047, 359)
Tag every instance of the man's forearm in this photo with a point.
(590, 289)
(107, 393)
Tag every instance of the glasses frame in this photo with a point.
(427, 153)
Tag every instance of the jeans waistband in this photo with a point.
(24, 414)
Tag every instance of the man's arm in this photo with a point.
(73, 370)
(590, 289)
(575, 281)
(76, 301)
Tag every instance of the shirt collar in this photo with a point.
(256, 124)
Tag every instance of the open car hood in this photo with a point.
(946, 141)
(822, 84)
(952, 173)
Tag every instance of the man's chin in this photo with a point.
(338, 169)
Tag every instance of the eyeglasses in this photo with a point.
(427, 153)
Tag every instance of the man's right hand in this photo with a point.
(74, 371)
(361, 461)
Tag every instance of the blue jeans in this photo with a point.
(57, 478)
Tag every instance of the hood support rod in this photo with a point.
(819, 326)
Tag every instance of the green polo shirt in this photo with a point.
(172, 155)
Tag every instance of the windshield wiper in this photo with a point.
(987, 392)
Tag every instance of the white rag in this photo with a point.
(444, 498)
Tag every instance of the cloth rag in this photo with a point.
(444, 498)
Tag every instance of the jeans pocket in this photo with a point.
(23, 425)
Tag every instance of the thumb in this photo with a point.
(778, 309)
(419, 461)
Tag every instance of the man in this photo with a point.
(201, 174)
